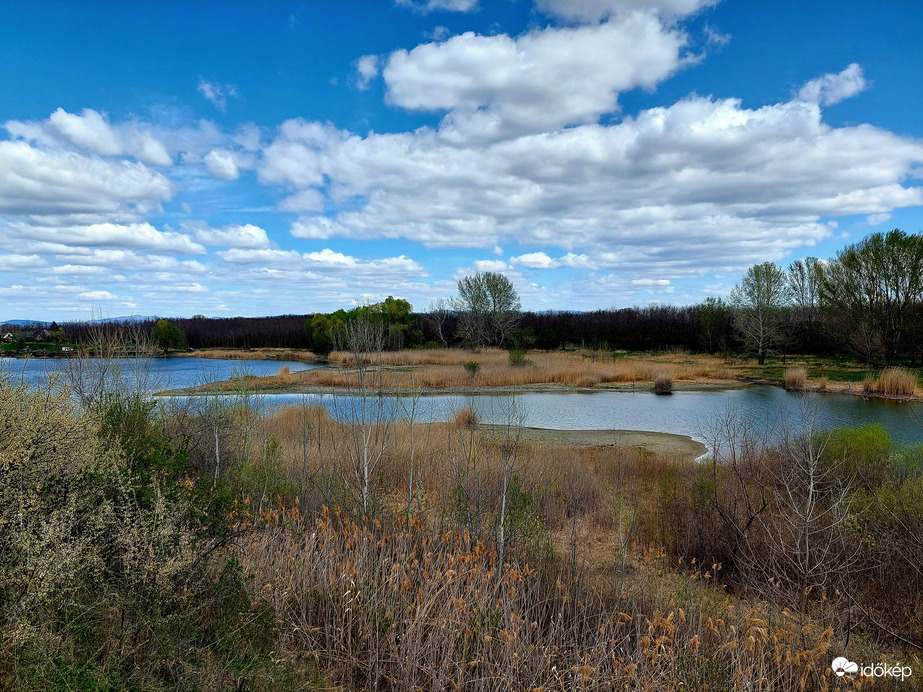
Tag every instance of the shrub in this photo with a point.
(862, 452)
(112, 569)
(663, 383)
(472, 367)
(466, 418)
(795, 378)
(517, 357)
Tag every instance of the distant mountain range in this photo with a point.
(104, 320)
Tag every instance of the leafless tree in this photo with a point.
(437, 317)
(370, 424)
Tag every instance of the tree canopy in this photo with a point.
(875, 289)
(168, 335)
(759, 303)
(488, 307)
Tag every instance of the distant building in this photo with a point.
(8, 338)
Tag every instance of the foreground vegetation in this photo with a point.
(218, 548)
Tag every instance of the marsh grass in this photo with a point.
(795, 378)
(402, 607)
(896, 382)
(453, 368)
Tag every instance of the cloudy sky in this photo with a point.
(262, 158)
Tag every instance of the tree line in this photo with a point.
(867, 301)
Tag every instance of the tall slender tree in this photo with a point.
(759, 302)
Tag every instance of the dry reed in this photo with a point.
(446, 369)
(795, 378)
(892, 382)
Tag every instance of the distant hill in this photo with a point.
(25, 323)
(104, 320)
(124, 318)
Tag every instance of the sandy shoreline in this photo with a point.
(657, 443)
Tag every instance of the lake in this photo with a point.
(692, 413)
(160, 373)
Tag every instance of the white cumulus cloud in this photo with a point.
(833, 88)
(220, 163)
(496, 87)
(367, 68)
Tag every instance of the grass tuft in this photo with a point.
(795, 378)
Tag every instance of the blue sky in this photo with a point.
(259, 158)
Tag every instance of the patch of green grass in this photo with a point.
(841, 368)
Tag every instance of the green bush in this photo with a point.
(862, 453)
(517, 357)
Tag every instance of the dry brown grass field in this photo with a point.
(603, 584)
(444, 369)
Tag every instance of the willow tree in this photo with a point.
(760, 302)
(488, 309)
(874, 289)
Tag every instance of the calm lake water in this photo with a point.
(684, 413)
(163, 373)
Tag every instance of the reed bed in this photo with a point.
(405, 608)
(445, 369)
(896, 382)
(599, 587)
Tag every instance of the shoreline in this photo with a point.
(646, 441)
(469, 391)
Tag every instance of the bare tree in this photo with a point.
(115, 359)
(508, 448)
(365, 339)
(437, 317)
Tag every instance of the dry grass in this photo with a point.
(411, 608)
(445, 369)
(252, 354)
(892, 382)
(795, 378)
(421, 601)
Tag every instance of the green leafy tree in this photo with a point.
(317, 330)
(760, 303)
(168, 335)
(488, 308)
